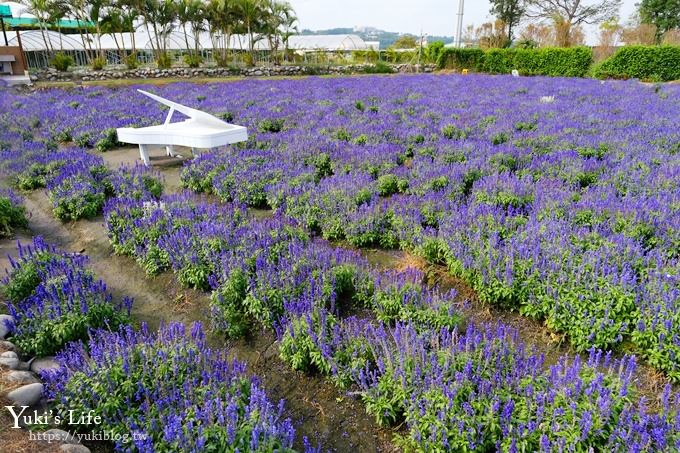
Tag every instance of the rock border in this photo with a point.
(24, 387)
(86, 75)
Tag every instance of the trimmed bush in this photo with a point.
(61, 62)
(193, 61)
(569, 62)
(108, 141)
(98, 63)
(654, 63)
(472, 59)
(131, 61)
(12, 213)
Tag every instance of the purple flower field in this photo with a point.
(567, 211)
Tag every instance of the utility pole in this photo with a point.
(459, 32)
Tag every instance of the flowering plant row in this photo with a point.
(564, 210)
(470, 390)
(77, 183)
(54, 300)
(112, 371)
(255, 267)
(167, 391)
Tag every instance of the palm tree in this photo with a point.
(160, 14)
(251, 12)
(112, 23)
(279, 22)
(58, 10)
(191, 12)
(78, 9)
(129, 11)
(96, 11)
(222, 17)
(44, 14)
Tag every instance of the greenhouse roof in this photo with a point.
(33, 40)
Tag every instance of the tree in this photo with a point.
(160, 14)
(191, 12)
(45, 12)
(663, 14)
(279, 19)
(111, 24)
(251, 13)
(405, 42)
(510, 12)
(610, 32)
(222, 17)
(569, 15)
(536, 35)
(288, 27)
(492, 35)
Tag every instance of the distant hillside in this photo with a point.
(386, 38)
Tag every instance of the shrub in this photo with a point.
(164, 61)
(433, 51)
(35, 176)
(77, 198)
(30, 269)
(109, 141)
(227, 305)
(323, 166)
(12, 213)
(654, 63)
(64, 309)
(569, 62)
(62, 62)
(272, 126)
(378, 68)
(472, 59)
(63, 136)
(390, 184)
(98, 63)
(193, 61)
(131, 61)
(299, 346)
(172, 390)
(84, 140)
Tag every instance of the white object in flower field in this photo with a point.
(515, 73)
(200, 131)
(547, 99)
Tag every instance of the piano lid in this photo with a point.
(198, 115)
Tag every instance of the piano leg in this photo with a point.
(144, 154)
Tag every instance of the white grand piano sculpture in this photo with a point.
(200, 131)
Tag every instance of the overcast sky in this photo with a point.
(434, 17)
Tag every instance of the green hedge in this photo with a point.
(472, 59)
(549, 61)
(655, 63)
(571, 62)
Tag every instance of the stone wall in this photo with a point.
(53, 75)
